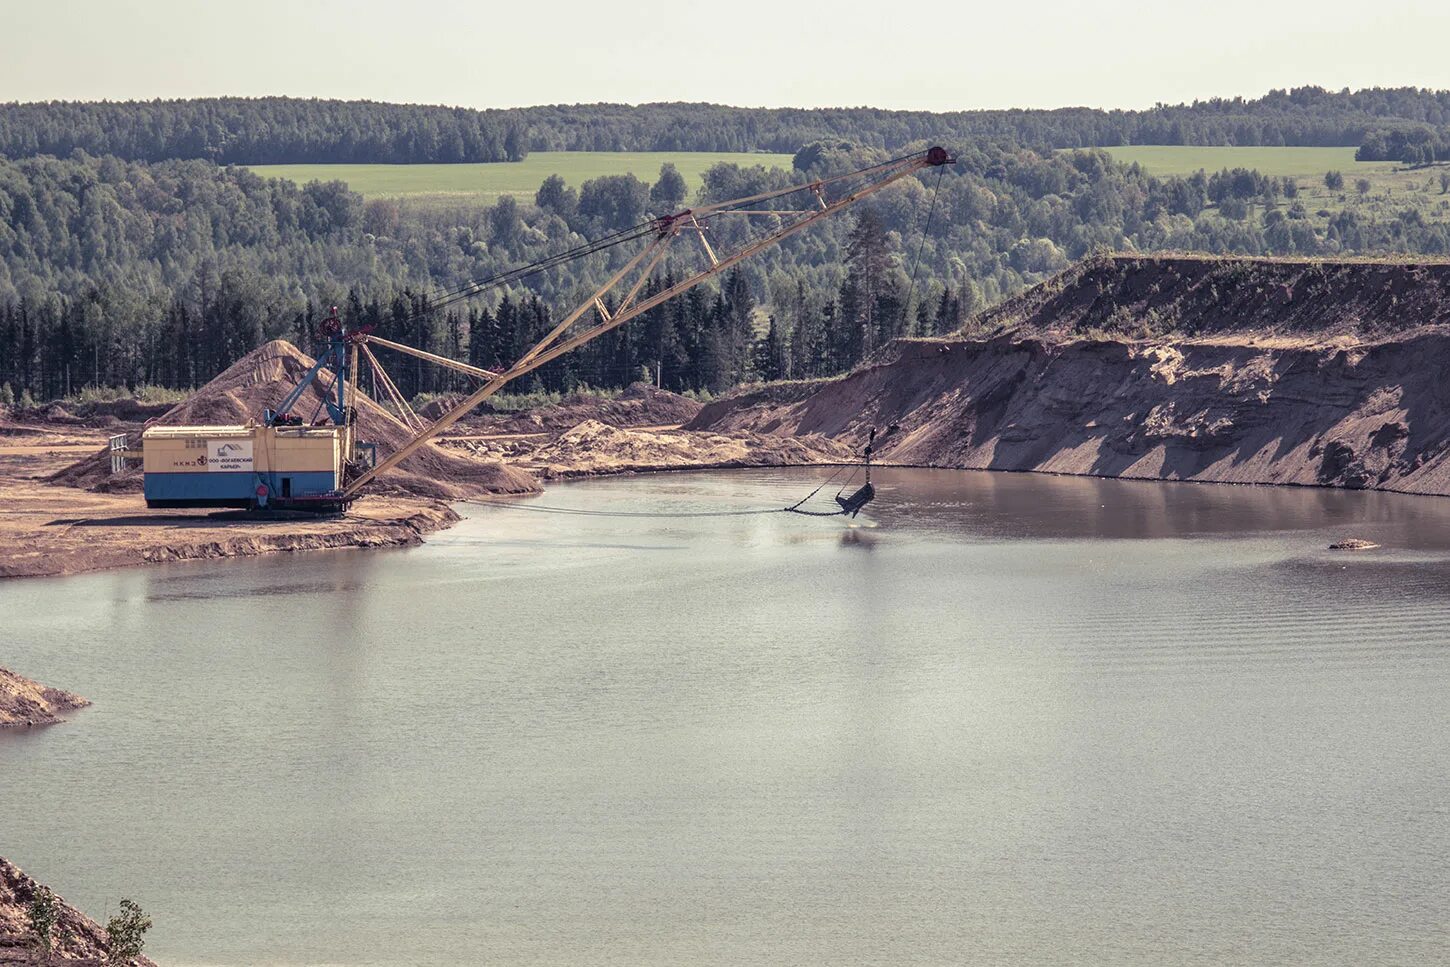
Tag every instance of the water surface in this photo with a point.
(1007, 719)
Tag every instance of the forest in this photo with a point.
(120, 272)
(282, 130)
(277, 130)
(1307, 116)
(1411, 144)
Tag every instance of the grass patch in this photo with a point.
(485, 183)
(1392, 188)
(142, 393)
(1299, 163)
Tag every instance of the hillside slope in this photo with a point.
(79, 940)
(1346, 393)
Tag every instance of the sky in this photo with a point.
(952, 55)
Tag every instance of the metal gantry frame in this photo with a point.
(630, 280)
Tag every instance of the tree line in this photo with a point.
(118, 272)
(1306, 116)
(279, 130)
(265, 130)
(1411, 145)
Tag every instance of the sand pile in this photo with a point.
(79, 940)
(639, 405)
(94, 472)
(23, 702)
(262, 379)
(594, 448)
(99, 414)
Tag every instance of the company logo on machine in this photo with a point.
(229, 456)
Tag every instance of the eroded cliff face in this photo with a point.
(1360, 415)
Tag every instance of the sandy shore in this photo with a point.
(25, 703)
(46, 529)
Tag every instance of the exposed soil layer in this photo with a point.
(1204, 296)
(78, 940)
(261, 380)
(639, 405)
(1348, 391)
(592, 448)
(24, 702)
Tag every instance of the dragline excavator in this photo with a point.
(290, 461)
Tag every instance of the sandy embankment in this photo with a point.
(50, 529)
(79, 940)
(1216, 370)
(63, 512)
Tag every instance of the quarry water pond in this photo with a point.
(1006, 719)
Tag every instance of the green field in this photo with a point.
(486, 182)
(1175, 159)
(1392, 188)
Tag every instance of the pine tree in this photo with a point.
(867, 295)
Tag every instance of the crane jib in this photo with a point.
(624, 287)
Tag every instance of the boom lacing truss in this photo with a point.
(629, 281)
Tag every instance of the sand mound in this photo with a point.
(100, 414)
(78, 939)
(23, 702)
(592, 448)
(639, 405)
(262, 379)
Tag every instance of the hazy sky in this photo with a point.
(938, 56)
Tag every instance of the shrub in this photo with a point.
(44, 912)
(126, 933)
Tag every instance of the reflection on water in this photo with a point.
(998, 719)
(856, 536)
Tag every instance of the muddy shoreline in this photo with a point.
(48, 529)
(1155, 368)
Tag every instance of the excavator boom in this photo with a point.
(629, 281)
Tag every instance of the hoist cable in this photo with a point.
(926, 231)
(468, 289)
(578, 512)
(808, 496)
